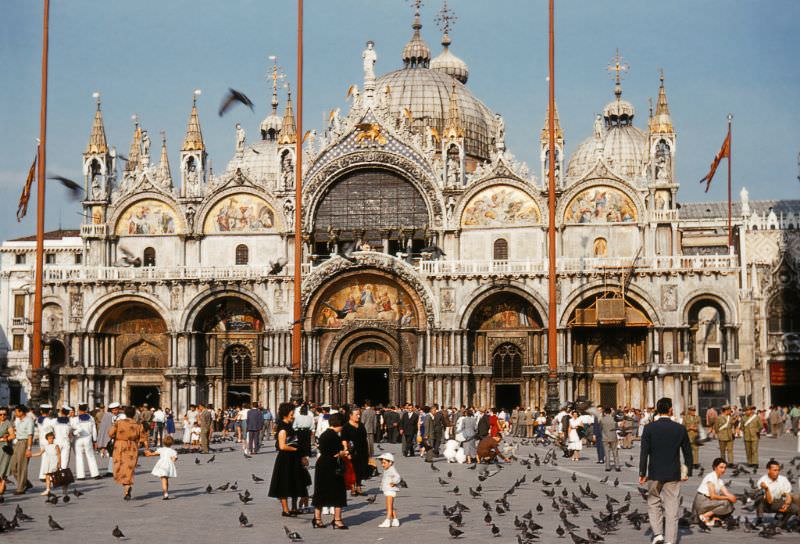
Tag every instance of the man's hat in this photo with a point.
(113, 405)
(45, 407)
(83, 407)
(692, 408)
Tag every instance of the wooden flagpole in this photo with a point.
(36, 343)
(552, 326)
(297, 329)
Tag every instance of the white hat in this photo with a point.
(113, 405)
(45, 407)
(387, 456)
(67, 407)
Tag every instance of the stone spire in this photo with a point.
(545, 134)
(97, 139)
(287, 135)
(134, 155)
(193, 141)
(164, 164)
(416, 53)
(661, 123)
(453, 128)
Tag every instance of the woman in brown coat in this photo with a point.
(127, 435)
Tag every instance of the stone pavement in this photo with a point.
(198, 517)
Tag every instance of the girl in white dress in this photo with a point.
(574, 439)
(51, 460)
(165, 466)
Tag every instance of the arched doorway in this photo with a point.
(609, 347)
(371, 368)
(707, 345)
(783, 344)
(505, 338)
(229, 335)
(133, 337)
(237, 369)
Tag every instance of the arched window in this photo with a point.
(149, 257)
(238, 363)
(501, 249)
(600, 247)
(507, 362)
(242, 254)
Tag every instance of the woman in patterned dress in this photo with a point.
(127, 435)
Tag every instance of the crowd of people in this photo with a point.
(342, 441)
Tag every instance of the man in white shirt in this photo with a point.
(777, 494)
(160, 419)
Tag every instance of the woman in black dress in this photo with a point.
(329, 489)
(288, 474)
(354, 440)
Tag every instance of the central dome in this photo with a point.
(426, 94)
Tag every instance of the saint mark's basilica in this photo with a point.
(176, 288)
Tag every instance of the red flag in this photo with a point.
(724, 153)
(22, 209)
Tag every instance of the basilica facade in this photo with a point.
(424, 275)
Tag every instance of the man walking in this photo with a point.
(23, 430)
(205, 427)
(159, 419)
(692, 423)
(255, 424)
(392, 421)
(85, 432)
(751, 431)
(408, 430)
(608, 434)
(438, 424)
(723, 428)
(370, 420)
(662, 442)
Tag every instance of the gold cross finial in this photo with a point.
(417, 4)
(445, 18)
(275, 74)
(619, 67)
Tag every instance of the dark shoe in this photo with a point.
(608, 470)
(288, 515)
(98, 477)
(18, 492)
(618, 469)
(339, 524)
(317, 524)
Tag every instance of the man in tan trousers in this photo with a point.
(723, 428)
(751, 430)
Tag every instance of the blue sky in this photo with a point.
(147, 56)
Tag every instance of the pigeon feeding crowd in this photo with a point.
(531, 491)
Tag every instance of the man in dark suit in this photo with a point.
(255, 423)
(392, 421)
(408, 429)
(483, 426)
(438, 424)
(660, 467)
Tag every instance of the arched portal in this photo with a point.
(783, 345)
(228, 338)
(609, 348)
(133, 336)
(370, 367)
(707, 344)
(506, 339)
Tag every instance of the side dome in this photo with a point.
(426, 94)
(622, 146)
(271, 126)
(447, 63)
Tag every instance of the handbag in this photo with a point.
(339, 470)
(62, 477)
(8, 449)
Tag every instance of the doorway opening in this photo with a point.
(238, 395)
(371, 384)
(144, 394)
(507, 396)
(608, 395)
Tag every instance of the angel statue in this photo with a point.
(240, 139)
(370, 57)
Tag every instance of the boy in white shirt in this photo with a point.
(390, 482)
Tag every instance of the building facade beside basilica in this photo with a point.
(425, 265)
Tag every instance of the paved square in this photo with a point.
(199, 517)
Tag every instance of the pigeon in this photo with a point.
(442, 482)
(116, 533)
(196, 461)
(457, 519)
(211, 459)
(616, 482)
(578, 539)
(371, 499)
(455, 490)
(75, 190)
(245, 499)
(22, 516)
(403, 484)
(293, 536)
(560, 531)
(224, 487)
(78, 494)
(434, 468)
(569, 525)
(243, 521)
(66, 499)
(539, 508)
(230, 100)
(54, 526)
(604, 480)
(52, 499)
(256, 479)
(209, 489)
(487, 518)
(275, 267)
(474, 494)
(594, 537)
(495, 530)
(454, 533)
(235, 486)
(449, 473)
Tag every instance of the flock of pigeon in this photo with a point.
(584, 511)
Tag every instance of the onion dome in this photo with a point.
(416, 53)
(272, 123)
(447, 63)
